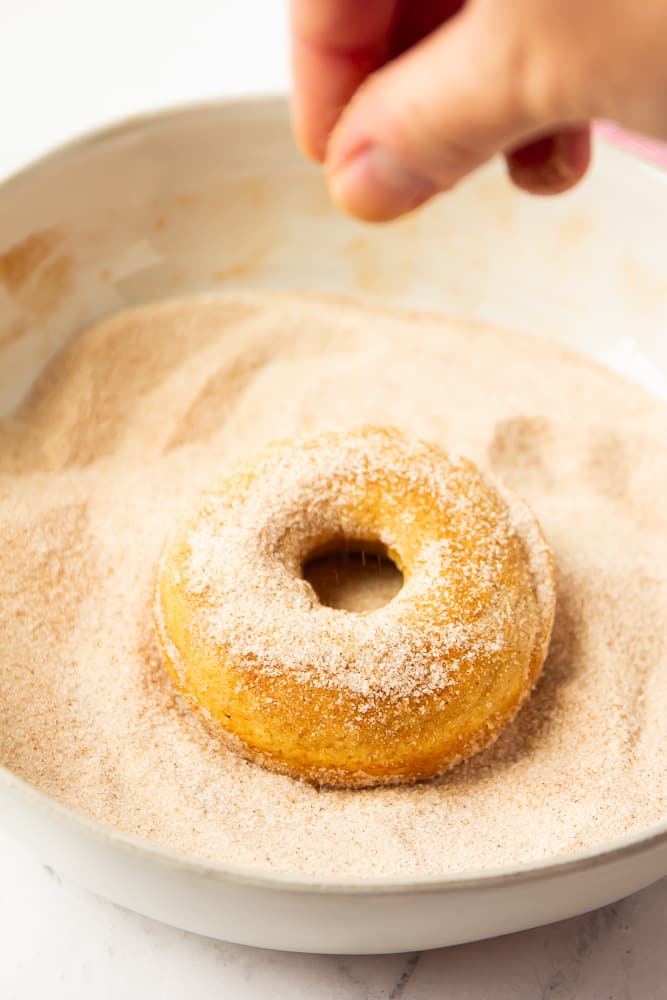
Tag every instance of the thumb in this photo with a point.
(424, 121)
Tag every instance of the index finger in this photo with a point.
(336, 44)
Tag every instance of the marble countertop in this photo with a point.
(64, 68)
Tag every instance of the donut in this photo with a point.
(347, 699)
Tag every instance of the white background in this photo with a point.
(64, 67)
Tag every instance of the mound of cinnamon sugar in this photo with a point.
(141, 412)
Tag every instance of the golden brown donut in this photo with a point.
(348, 699)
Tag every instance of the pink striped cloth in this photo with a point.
(649, 149)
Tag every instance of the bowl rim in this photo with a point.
(156, 114)
(624, 847)
(145, 118)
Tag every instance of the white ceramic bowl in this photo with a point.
(217, 197)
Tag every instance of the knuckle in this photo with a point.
(421, 136)
(529, 86)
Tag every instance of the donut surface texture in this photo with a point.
(351, 699)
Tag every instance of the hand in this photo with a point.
(404, 98)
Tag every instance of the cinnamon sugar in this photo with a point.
(138, 416)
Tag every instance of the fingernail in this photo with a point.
(540, 166)
(374, 185)
(552, 164)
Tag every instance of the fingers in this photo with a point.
(445, 107)
(552, 164)
(336, 44)
(453, 100)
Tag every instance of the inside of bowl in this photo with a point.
(218, 198)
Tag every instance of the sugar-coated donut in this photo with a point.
(350, 699)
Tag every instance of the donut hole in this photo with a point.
(352, 575)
